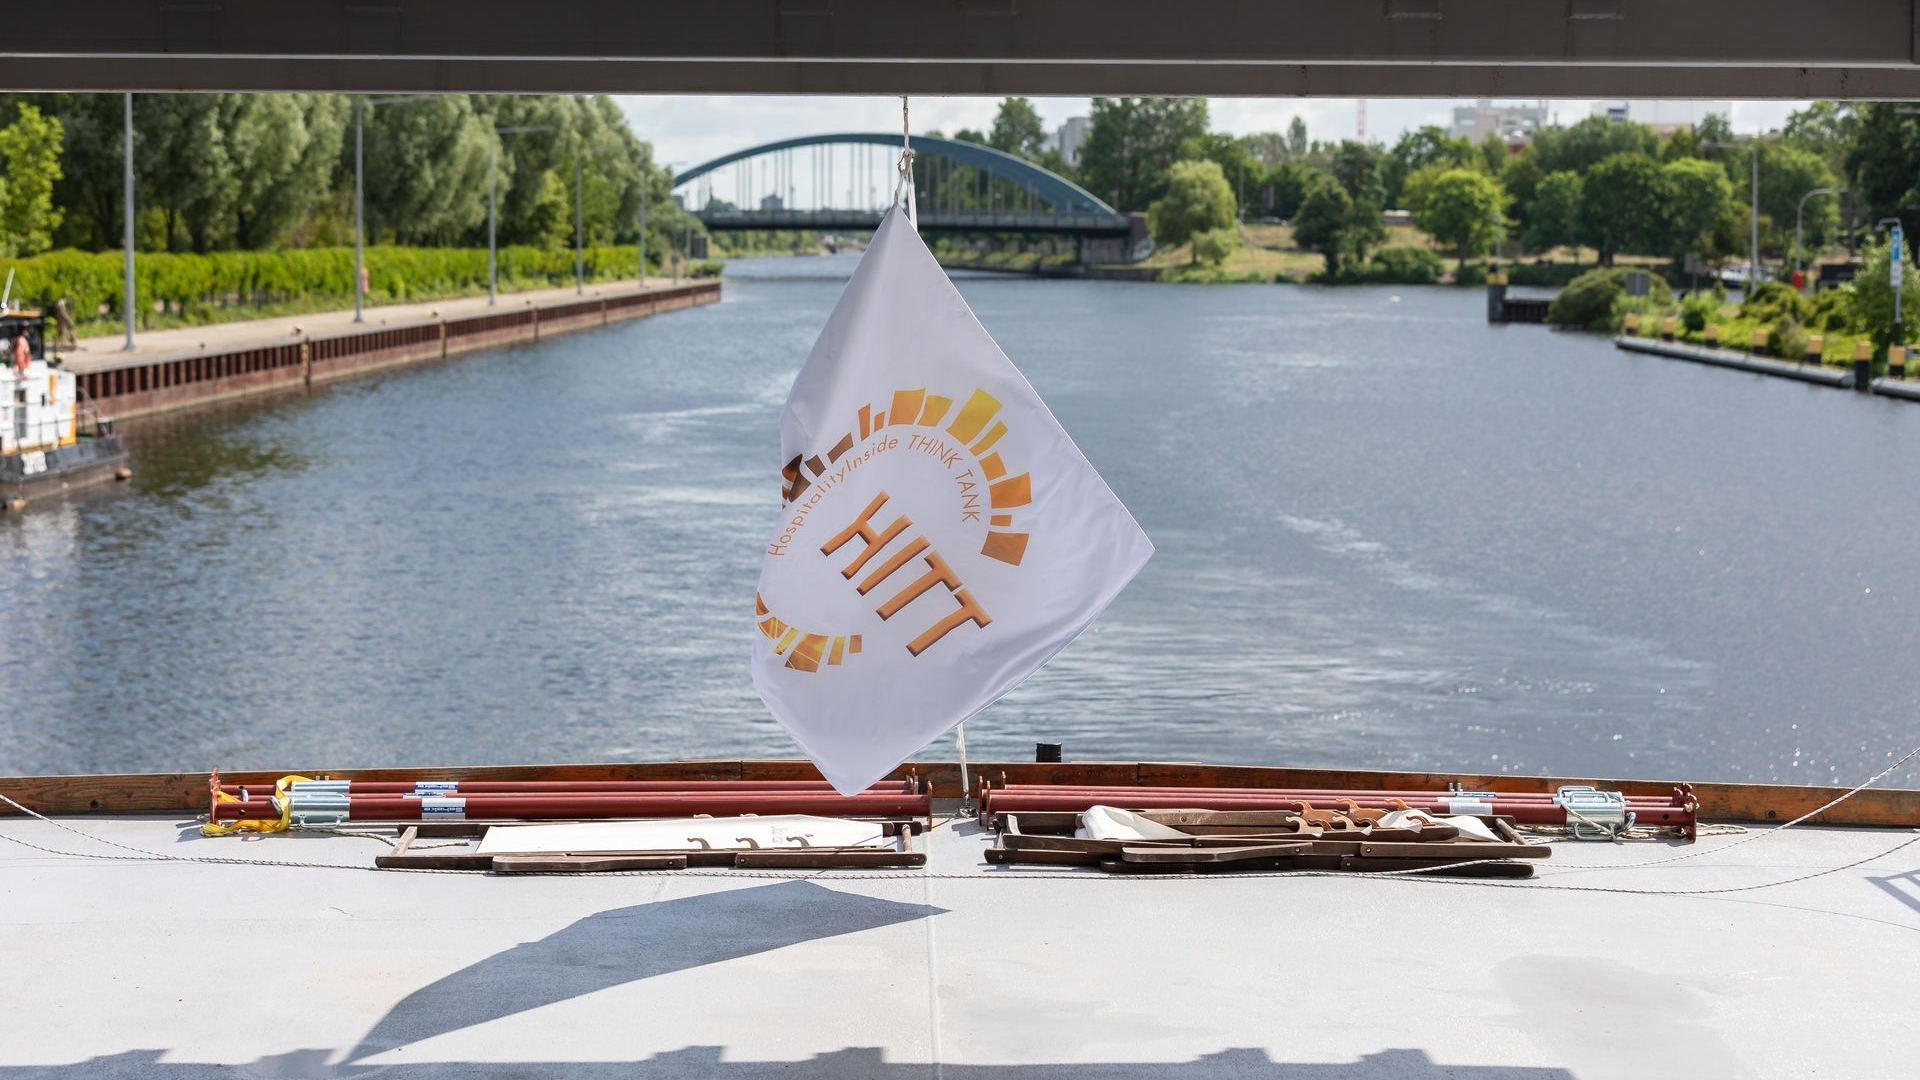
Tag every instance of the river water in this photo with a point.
(1389, 535)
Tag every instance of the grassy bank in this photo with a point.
(193, 290)
(1266, 253)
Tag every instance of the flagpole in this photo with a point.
(966, 782)
(905, 179)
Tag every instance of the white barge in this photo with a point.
(141, 949)
(50, 441)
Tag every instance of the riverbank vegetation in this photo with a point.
(244, 202)
(1600, 191)
(1791, 321)
(190, 290)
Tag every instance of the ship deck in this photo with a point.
(174, 970)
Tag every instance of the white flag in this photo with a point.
(941, 537)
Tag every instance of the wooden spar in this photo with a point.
(1533, 811)
(164, 792)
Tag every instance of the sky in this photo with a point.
(687, 130)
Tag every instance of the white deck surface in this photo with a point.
(165, 971)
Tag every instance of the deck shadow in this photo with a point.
(854, 1063)
(627, 944)
(1902, 887)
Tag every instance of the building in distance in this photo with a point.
(1069, 137)
(1665, 117)
(1513, 123)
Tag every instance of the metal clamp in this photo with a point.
(313, 808)
(1593, 814)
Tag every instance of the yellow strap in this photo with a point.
(260, 825)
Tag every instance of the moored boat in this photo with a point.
(51, 439)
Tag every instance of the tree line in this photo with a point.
(252, 172)
(1616, 187)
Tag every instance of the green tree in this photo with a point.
(1698, 196)
(1884, 161)
(1363, 232)
(1297, 137)
(1417, 148)
(1581, 146)
(1290, 182)
(1463, 210)
(1556, 214)
(88, 191)
(1198, 199)
(1621, 208)
(1017, 129)
(1522, 178)
(1321, 221)
(1419, 184)
(1714, 136)
(1827, 128)
(1132, 144)
(284, 149)
(184, 171)
(1268, 147)
(1214, 245)
(426, 170)
(30, 148)
(1360, 168)
(1494, 154)
(1788, 171)
(1233, 155)
(1342, 229)
(1873, 299)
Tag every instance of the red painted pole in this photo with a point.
(1286, 793)
(508, 787)
(539, 806)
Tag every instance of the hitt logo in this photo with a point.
(875, 551)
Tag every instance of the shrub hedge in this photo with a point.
(1597, 299)
(203, 288)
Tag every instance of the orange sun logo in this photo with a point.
(973, 431)
(917, 408)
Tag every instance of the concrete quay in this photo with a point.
(182, 368)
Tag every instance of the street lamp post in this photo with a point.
(493, 161)
(643, 226)
(1896, 262)
(1753, 222)
(1799, 217)
(126, 303)
(1753, 212)
(579, 232)
(359, 211)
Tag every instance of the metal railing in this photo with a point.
(929, 219)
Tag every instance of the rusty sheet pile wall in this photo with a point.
(162, 385)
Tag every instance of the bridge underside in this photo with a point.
(1863, 49)
(1104, 226)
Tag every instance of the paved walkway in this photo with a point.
(107, 353)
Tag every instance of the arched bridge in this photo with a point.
(845, 182)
